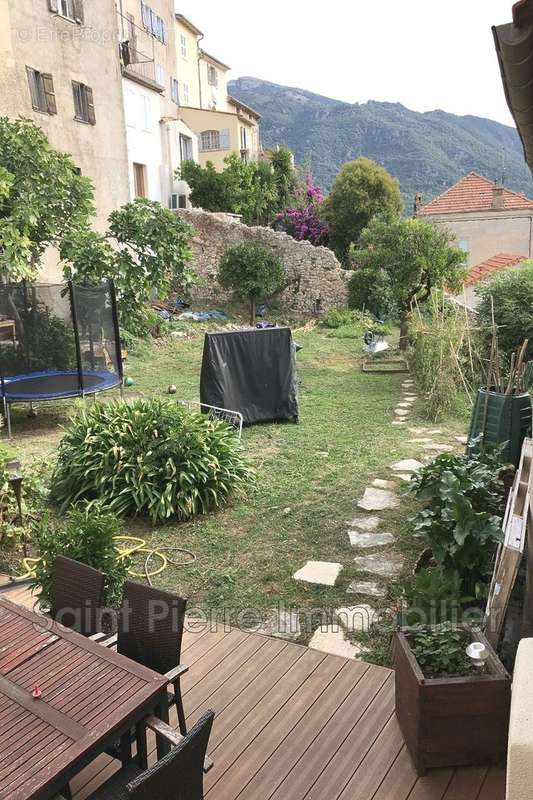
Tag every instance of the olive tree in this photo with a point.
(252, 273)
(399, 262)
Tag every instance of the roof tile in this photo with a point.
(473, 193)
(491, 265)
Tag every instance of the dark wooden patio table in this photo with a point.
(91, 697)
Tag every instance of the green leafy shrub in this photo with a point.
(512, 295)
(14, 531)
(464, 497)
(431, 596)
(148, 457)
(252, 273)
(86, 535)
(440, 651)
(342, 317)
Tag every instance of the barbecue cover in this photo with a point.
(252, 372)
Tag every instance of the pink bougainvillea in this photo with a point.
(302, 222)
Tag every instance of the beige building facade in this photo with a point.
(223, 124)
(59, 68)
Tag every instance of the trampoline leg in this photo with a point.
(7, 412)
(122, 391)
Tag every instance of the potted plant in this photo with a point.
(453, 710)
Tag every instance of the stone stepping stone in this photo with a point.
(381, 484)
(408, 401)
(322, 572)
(421, 441)
(404, 404)
(418, 431)
(357, 619)
(386, 566)
(398, 422)
(366, 523)
(407, 384)
(435, 432)
(409, 396)
(407, 465)
(370, 539)
(331, 639)
(406, 477)
(401, 412)
(378, 500)
(281, 624)
(462, 439)
(439, 448)
(367, 588)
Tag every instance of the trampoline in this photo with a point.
(63, 342)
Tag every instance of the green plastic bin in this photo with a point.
(508, 419)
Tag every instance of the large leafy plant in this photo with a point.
(148, 457)
(461, 517)
(86, 534)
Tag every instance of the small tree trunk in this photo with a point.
(252, 311)
(404, 330)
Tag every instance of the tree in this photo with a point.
(399, 262)
(284, 176)
(42, 198)
(146, 249)
(209, 188)
(512, 298)
(361, 191)
(302, 221)
(251, 272)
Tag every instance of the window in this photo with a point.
(139, 179)
(186, 93)
(70, 9)
(214, 140)
(244, 139)
(186, 152)
(183, 46)
(160, 75)
(212, 76)
(175, 91)
(153, 23)
(83, 103)
(42, 91)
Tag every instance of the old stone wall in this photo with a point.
(316, 280)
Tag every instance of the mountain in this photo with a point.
(427, 152)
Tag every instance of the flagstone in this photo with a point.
(406, 477)
(398, 422)
(366, 523)
(368, 588)
(322, 572)
(357, 619)
(279, 623)
(401, 412)
(381, 484)
(387, 566)
(461, 439)
(370, 539)
(407, 465)
(439, 448)
(331, 639)
(378, 500)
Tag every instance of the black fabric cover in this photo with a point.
(252, 372)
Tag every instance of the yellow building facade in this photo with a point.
(222, 124)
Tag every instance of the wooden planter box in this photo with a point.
(451, 722)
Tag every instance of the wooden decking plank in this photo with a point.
(466, 782)
(433, 785)
(212, 659)
(201, 646)
(371, 771)
(323, 748)
(356, 745)
(399, 780)
(494, 785)
(294, 744)
(247, 726)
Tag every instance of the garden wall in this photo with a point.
(316, 279)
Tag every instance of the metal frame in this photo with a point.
(237, 414)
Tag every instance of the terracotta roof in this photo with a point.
(473, 193)
(491, 265)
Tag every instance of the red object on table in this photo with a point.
(36, 694)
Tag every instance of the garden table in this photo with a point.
(90, 698)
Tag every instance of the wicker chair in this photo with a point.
(176, 776)
(76, 595)
(150, 630)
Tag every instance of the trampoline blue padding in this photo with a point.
(56, 385)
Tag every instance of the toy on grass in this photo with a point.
(128, 382)
(172, 389)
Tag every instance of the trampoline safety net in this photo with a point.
(57, 340)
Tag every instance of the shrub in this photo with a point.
(252, 273)
(302, 221)
(342, 317)
(87, 535)
(512, 293)
(430, 597)
(464, 497)
(441, 651)
(148, 457)
(443, 356)
(16, 532)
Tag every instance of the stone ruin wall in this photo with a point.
(316, 280)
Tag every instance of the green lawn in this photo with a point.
(311, 476)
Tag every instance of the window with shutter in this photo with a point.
(83, 103)
(50, 98)
(210, 140)
(224, 139)
(79, 12)
(175, 91)
(91, 116)
(52, 5)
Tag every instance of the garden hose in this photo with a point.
(137, 545)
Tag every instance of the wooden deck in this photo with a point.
(295, 724)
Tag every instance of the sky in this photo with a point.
(425, 54)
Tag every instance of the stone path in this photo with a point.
(365, 533)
